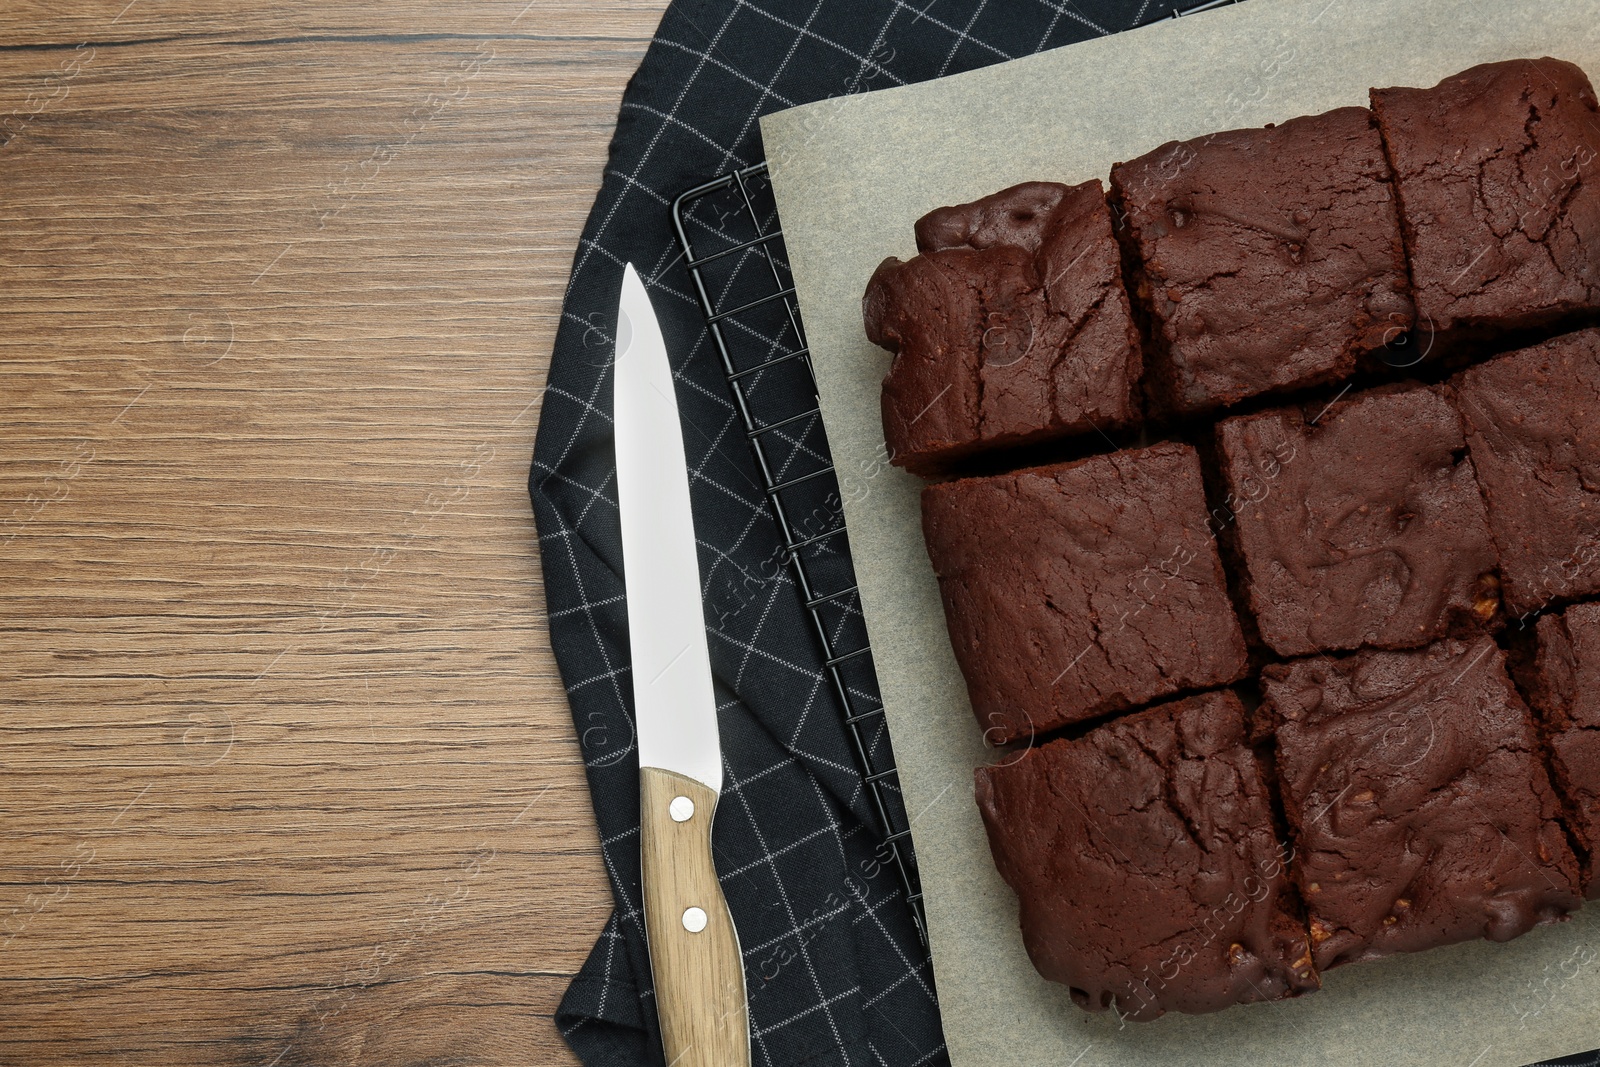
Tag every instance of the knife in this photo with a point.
(694, 947)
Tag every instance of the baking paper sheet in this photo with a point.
(852, 175)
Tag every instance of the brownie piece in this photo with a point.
(1535, 443)
(1010, 327)
(1360, 525)
(1496, 171)
(1145, 861)
(1271, 259)
(1082, 588)
(1566, 691)
(1419, 807)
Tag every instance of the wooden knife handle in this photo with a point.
(700, 995)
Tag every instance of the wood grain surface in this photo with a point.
(287, 775)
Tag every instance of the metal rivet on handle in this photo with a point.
(694, 920)
(681, 809)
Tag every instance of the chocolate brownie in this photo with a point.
(1080, 589)
(1271, 259)
(1419, 807)
(1010, 327)
(1566, 691)
(1358, 524)
(1498, 173)
(1535, 440)
(1145, 861)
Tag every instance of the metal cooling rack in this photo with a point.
(746, 229)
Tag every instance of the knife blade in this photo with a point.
(694, 946)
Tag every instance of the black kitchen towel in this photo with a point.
(835, 971)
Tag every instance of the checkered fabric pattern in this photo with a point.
(834, 968)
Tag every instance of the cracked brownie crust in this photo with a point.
(1080, 589)
(1535, 440)
(1268, 259)
(1146, 864)
(1417, 800)
(1377, 542)
(1362, 525)
(1566, 691)
(1010, 327)
(1498, 172)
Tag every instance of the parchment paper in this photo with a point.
(852, 175)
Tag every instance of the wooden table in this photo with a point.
(287, 775)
